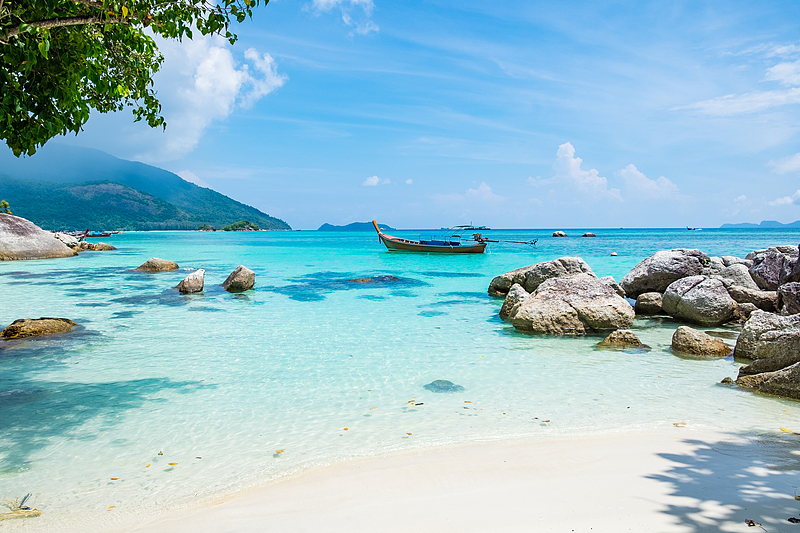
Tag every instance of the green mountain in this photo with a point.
(764, 224)
(186, 206)
(354, 226)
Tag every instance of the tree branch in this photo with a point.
(13, 31)
(90, 3)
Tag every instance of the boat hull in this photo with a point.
(410, 246)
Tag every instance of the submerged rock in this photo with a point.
(691, 341)
(699, 299)
(35, 327)
(573, 305)
(649, 303)
(240, 280)
(442, 385)
(530, 277)
(21, 239)
(619, 339)
(657, 272)
(192, 283)
(155, 264)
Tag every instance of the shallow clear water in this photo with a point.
(219, 383)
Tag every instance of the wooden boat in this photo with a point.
(449, 243)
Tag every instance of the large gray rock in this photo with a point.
(36, 327)
(764, 300)
(611, 282)
(240, 280)
(690, 341)
(789, 298)
(192, 283)
(736, 275)
(649, 303)
(22, 239)
(700, 300)
(771, 341)
(514, 297)
(790, 273)
(657, 272)
(559, 234)
(154, 264)
(773, 266)
(530, 277)
(573, 305)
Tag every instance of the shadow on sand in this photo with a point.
(720, 485)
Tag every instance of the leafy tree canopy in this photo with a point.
(63, 58)
(5, 208)
(242, 225)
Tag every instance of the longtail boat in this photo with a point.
(448, 243)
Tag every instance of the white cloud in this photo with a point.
(484, 193)
(374, 181)
(568, 170)
(191, 177)
(740, 199)
(787, 200)
(409, 181)
(786, 165)
(639, 185)
(746, 103)
(785, 73)
(363, 26)
(205, 84)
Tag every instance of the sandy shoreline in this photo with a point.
(677, 480)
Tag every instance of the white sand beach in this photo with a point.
(680, 480)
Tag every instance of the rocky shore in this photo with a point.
(760, 292)
(21, 239)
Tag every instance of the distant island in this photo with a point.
(354, 226)
(764, 224)
(73, 188)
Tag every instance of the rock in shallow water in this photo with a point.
(789, 298)
(442, 385)
(771, 341)
(691, 341)
(699, 299)
(649, 303)
(657, 272)
(530, 277)
(620, 339)
(192, 283)
(574, 305)
(155, 264)
(241, 279)
(35, 327)
(514, 297)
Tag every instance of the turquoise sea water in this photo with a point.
(219, 383)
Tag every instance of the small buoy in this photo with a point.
(613, 254)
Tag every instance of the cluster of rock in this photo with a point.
(240, 280)
(762, 290)
(82, 246)
(709, 291)
(562, 297)
(21, 239)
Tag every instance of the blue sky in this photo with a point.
(506, 114)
